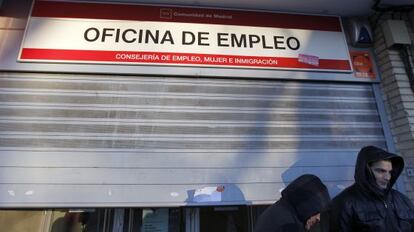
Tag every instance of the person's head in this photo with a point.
(377, 170)
(382, 172)
(308, 196)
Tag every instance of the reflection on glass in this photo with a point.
(77, 221)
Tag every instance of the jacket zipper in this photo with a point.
(385, 204)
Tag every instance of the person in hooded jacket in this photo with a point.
(370, 204)
(299, 208)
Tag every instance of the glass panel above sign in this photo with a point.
(79, 32)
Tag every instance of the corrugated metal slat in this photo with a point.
(97, 140)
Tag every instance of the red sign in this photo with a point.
(362, 64)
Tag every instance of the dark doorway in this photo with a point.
(224, 219)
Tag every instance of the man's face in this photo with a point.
(382, 173)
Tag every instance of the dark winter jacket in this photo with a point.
(365, 207)
(301, 199)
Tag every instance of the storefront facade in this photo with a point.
(208, 118)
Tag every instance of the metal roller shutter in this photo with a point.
(96, 140)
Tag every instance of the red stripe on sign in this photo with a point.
(32, 54)
(184, 15)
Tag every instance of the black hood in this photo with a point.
(364, 178)
(307, 195)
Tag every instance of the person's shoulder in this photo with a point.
(346, 199)
(345, 194)
(274, 217)
(265, 222)
(273, 210)
(400, 196)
